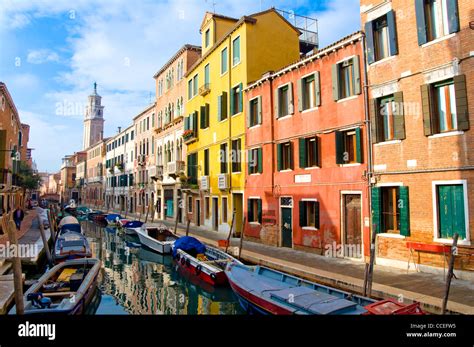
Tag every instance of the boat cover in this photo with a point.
(71, 227)
(133, 224)
(112, 217)
(190, 245)
(68, 220)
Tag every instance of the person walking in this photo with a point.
(18, 216)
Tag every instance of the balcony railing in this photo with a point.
(175, 167)
(204, 89)
(189, 136)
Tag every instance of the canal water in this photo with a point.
(136, 280)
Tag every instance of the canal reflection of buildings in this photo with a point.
(144, 282)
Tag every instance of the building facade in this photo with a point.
(68, 187)
(421, 108)
(234, 53)
(94, 189)
(306, 185)
(170, 148)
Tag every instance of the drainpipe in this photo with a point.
(229, 117)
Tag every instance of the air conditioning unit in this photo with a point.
(223, 181)
(204, 183)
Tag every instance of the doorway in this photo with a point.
(286, 227)
(198, 212)
(352, 224)
(238, 205)
(215, 213)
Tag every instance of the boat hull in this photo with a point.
(157, 246)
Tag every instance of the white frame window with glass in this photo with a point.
(346, 78)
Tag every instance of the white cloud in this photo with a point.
(24, 81)
(41, 56)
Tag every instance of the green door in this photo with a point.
(451, 211)
(286, 228)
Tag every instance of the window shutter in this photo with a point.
(420, 21)
(316, 215)
(250, 161)
(207, 113)
(291, 105)
(186, 123)
(369, 37)
(302, 214)
(232, 102)
(249, 210)
(276, 103)
(403, 205)
(241, 99)
(219, 108)
(259, 110)
(3, 144)
(195, 121)
(316, 151)
(203, 117)
(279, 163)
(260, 159)
(302, 151)
(335, 82)
(249, 111)
(299, 87)
(339, 147)
(374, 120)
(460, 93)
(426, 109)
(291, 156)
(376, 195)
(224, 106)
(259, 211)
(359, 147)
(317, 88)
(399, 116)
(357, 82)
(453, 16)
(392, 32)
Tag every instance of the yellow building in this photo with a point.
(235, 52)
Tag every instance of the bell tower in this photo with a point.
(93, 120)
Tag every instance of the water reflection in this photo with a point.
(136, 280)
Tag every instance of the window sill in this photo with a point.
(310, 228)
(284, 117)
(312, 168)
(464, 242)
(254, 223)
(255, 174)
(350, 165)
(392, 236)
(255, 126)
(222, 120)
(236, 172)
(237, 114)
(352, 97)
(224, 73)
(439, 39)
(310, 110)
(286, 170)
(447, 134)
(236, 64)
(391, 142)
(381, 61)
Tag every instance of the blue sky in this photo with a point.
(54, 50)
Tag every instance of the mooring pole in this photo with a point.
(147, 210)
(370, 267)
(454, 252)
(177, 219)
(187, 227)
(45, 242)
(242, 238)
(9, 226)
(230, 231)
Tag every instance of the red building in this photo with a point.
(306, 185)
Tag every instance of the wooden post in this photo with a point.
(230, 231)
(152, 212)
(241, 238)
(51, 226)
(370, 267)
(147, 210)
(454, 251)
(45, 243)
(176, 222)
(187, 227)
(10, 228)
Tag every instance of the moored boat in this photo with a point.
(131, 227)
(160, 240)
(71, 245)
(203, 261)
(266, 291)
(113, 219)
(67, 288)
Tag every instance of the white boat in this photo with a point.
(160, 239)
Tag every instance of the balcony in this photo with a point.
(204, 183)
(141, 160)
(175, 168)
(307, 26)
(223, 181)
(156, 172)
(189, 136)
(204, 89)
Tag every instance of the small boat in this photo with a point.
(113, 219)
(67, 288)
(160, 239)
(206, 262)
(68, 220)
(71, 245)
(266, 291)
(131, 227)
(99, 218)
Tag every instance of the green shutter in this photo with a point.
(359, 145)
(279, 161)
(299, 88)
(302, 152)
(291, 156)
(376, 195)
(404, 207)
(249, 160)
(195, 121)
(426, 109)
(339, 136)
(316, 151)
(458, 214)
(276, 103)
(392, 32)
(207, 115)
(291, 103)
(232, 102)
(241, 97)
(335, 82)
(420, 21)
(357, 81)
(369, 38)
(224, 105)
(453, 16)
(399, 117)
(259, 210)
(219, 108)
(202, 119)
(460, 93)
(302, 214)
(317, 214)
(260, 159)
(249, 210)
(374, 120)
(317, 88)
(249, 114)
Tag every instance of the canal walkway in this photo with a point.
(388, 282)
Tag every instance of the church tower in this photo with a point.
(93, 120)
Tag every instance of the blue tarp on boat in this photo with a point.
(71, 227)
(133, 224)
(113, 216)
(190, 245)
